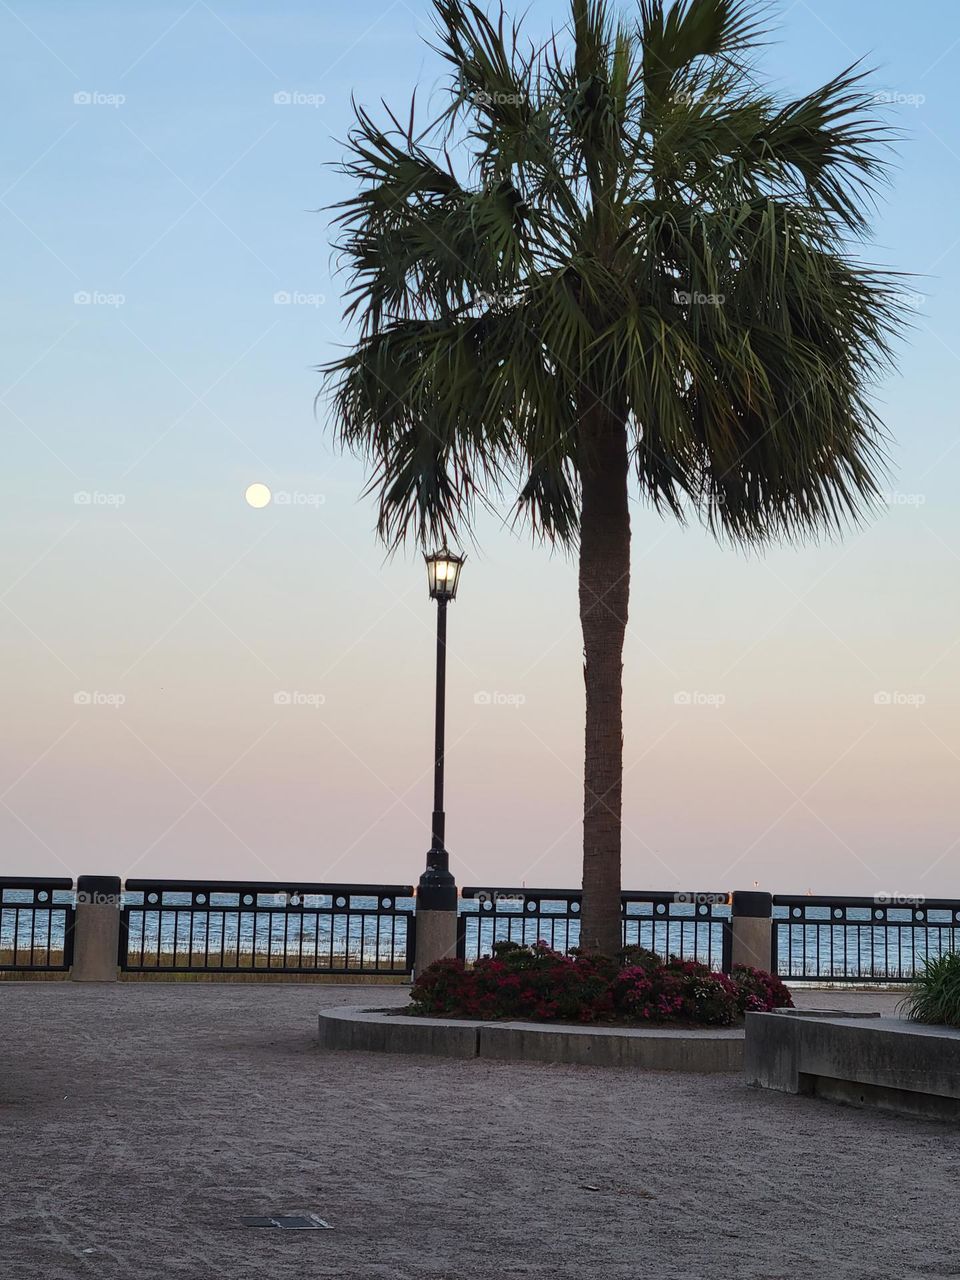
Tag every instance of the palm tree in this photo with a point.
(614, 261)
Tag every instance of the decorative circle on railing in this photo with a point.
(703, 909)
(248, 899)
(341, 902)
(797, 911)
(153, 897)
(295, 900)
(661, 908)
(42, 895)
(386, 903)
(531, 905)
(487, 904)
(879, 913)
(575, 906)
(838, 913)
(200, 898)
(918, 915)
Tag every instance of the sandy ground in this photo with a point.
(139, 1122)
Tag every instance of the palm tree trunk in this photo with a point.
(604, 596)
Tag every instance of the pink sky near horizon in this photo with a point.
(758, 744)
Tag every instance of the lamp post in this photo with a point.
(438, 890)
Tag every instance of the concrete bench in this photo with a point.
(863, 1060)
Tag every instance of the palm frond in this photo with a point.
(624, 219)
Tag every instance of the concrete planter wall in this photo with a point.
(653, 1049)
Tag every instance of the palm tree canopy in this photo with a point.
(621, 219)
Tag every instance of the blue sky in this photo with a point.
(169, 290)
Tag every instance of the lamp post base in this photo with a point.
(437, 890)
(437, 902)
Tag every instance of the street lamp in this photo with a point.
(438, 890)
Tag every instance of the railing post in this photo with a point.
(96, 938)
(751, 928)
(726, 946)
(436, 925)
(461, 937)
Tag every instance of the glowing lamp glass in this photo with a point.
(443, 573)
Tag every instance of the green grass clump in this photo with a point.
(934, 995)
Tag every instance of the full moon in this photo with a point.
(258, 495)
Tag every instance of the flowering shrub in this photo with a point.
(443, 988)
(519, 982)
(640, 958)
(680, 990)
(759, 991)
(542, 985)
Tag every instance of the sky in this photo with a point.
(195, 687)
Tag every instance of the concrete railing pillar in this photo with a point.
(96, 938)
(751, 920)
(436, 938)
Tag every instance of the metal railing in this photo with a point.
(239, 927)
(37, 916)
(860, 939)
(204, 926)
(695, 926)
